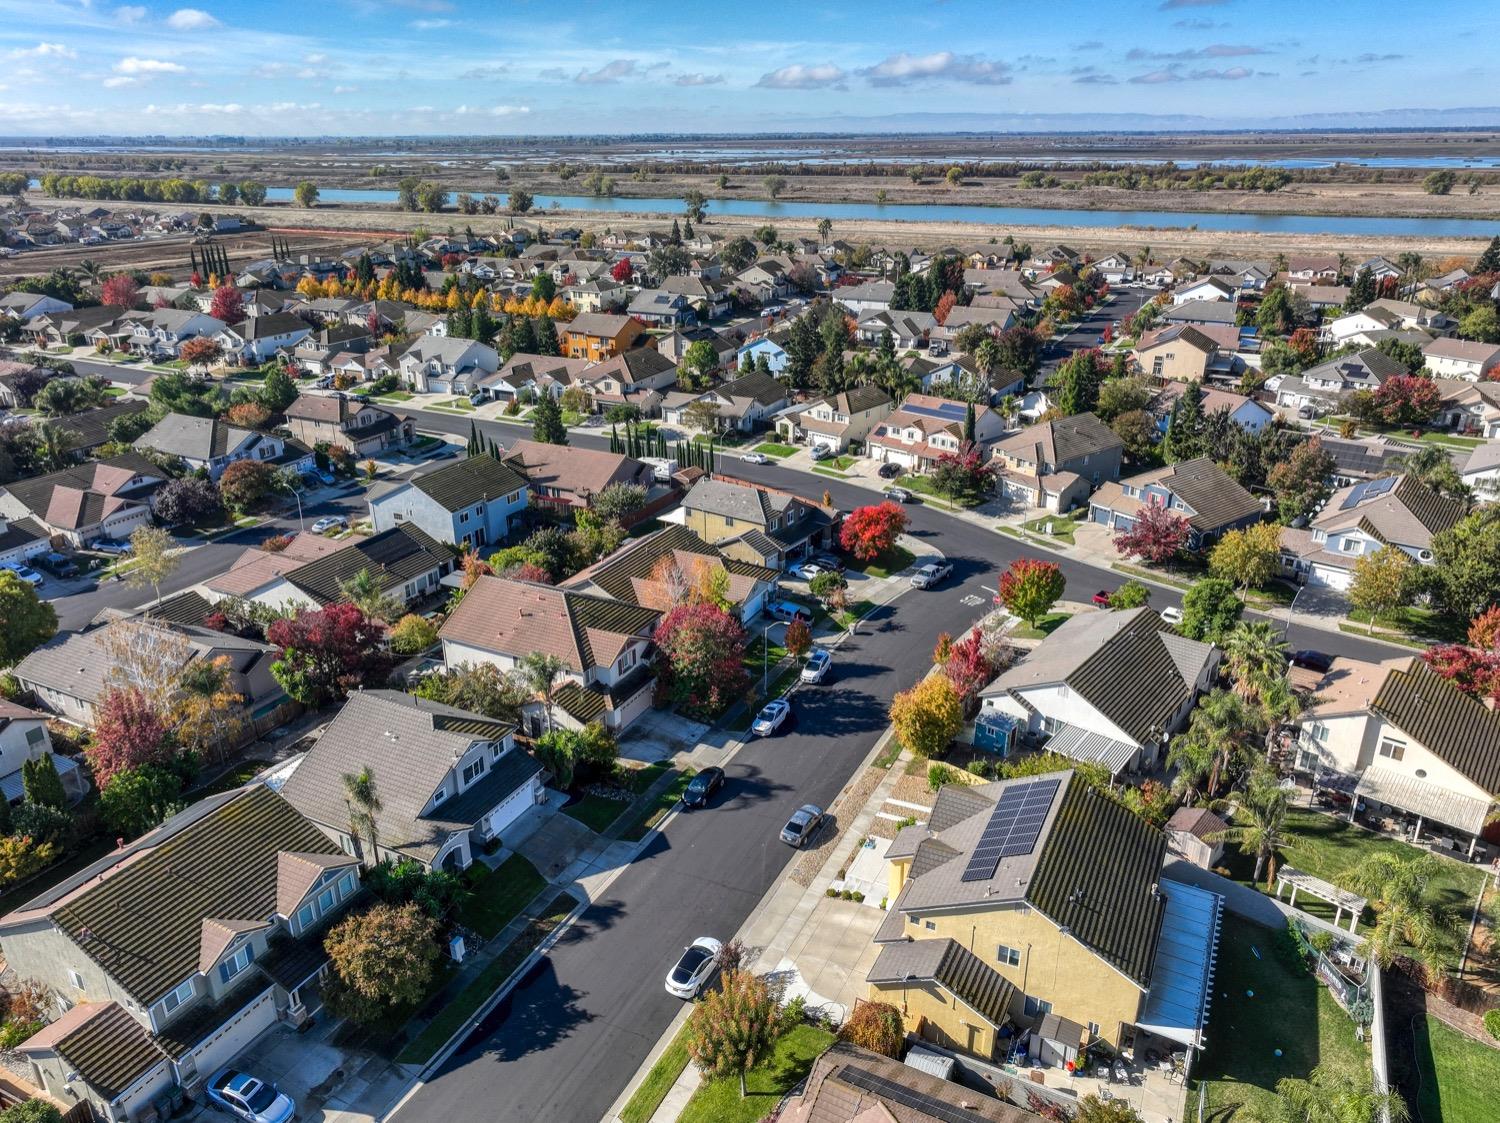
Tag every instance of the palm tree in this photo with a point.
(1255, 653)
(91, 269)
(1259, 821)
(1215, 739)
(363, 801)
(51, 445)
(365, 593)
(1343, 1094)
(1405, 915)
(540, 671)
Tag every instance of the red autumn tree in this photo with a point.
(245, 484)
(1156, 535)
(1304, 341)
(121, 289)
(1484, 630)
(1030, 587)
(944, 306)
(965, 474)
(621, 271)
(196, 279)
(1475, 672)
(869, 532)
(1408, 399)
(373, 324)
(127, 734)
(248, 415)
(228, 304)
(700, 653)
(968, 667)
(200, 352)
(326, 652)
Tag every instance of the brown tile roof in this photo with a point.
(100, 1041)
(627, 574)
(1198, 822)
(580, 472)
(840, 1090)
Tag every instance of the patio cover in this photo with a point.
(1182, 975)
(1092, 748)
(1420, 797)
(13, 789)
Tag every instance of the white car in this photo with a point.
(816, 667)
(931, 574)
(250, 1098)
(755, 458)
(805, 571)
(25, 573)
(1170, 615)
(330, 522)
(694, 967)
(771, 717)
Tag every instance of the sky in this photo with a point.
(506, 67)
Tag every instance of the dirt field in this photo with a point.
(167, 255)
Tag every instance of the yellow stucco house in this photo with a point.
(1038, 905)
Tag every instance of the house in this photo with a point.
(572, 477)
(407, 563)
(630, 378)
(1387, 315)
(444, 365)
(26, 306)
(1039, 904)
(161, 332)
(1198, 490)
(833, 422)
(23, 738)
(1055, 464)
(909, 330)
(1205, 288)
(73, 327)
(596, 295)
(81, 433)
(1196, 835)
(648, 572)
(525, 376)
(1399, 738)
(715, 299)
(993, 316)
(675, 344)
(22, 539)
(1461, 358)
(1379, 269)
(597, 336)
(659, 308)
(604, 646)
(1322, 389)
(1317, 267)
(257, 338)
(864, 299)
(1201, 312)
(1320, 298)
(1481, 471)
(749, 355)
(1106, 688)
(97, 499)
(1247, 276)
(1364, 458)
(1011, 283)
(256, 570)
(450, 781)
(744, 404)
(344, 422)
(925, 428)
(1469, 408)
(241, 890)
(466, 503)
(1364, 519)
(1054, 257)
(209, 444)
(1115, 268)
(1179, 352)
(1245, 412)
(762, 525)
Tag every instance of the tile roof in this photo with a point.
(1216, 499)
(597, 324)
(628, 574)
(632, 366)
(1460, 730)
(103, 1043)
(393, 556)
(747, 502)
(757, 386)
(79, 496)
(91, 427)
(953, 967)
(580, 472)
(1056, 442)
(256, 568)
(1405, 514)
(1178, 333)
(466, 482)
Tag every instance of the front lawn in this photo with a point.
(1460, 1077)
(395, 396)
(498, 896)
(925, 486)
(463, 405)
(893, 561)
(1062, 527)
(598, 812)
(647, 1098)
(1265, 1003)
(1044, 627)
(114, 392)
(780, 451)
(718, 1101)
(644, 819)
(1413, 622)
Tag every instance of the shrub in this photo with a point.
(939, 774)
(1492, 1022)
(875, 1026)
(981, 767)
(413, 634)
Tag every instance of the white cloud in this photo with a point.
(148, 66)
(610, 72)
(800, 77)
(493, 110)
(698, 80)
(191, 19)
(941, 66)
(130, 13)
(431, 24)
(44, 50)
(116, 82)
(346, 89)
(317, 58)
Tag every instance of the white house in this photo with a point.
(257, 338)
(863, 299)
(163, 331)
(1461, 358)
(439, 365)
(1205, 288)
(469, 502)
(24, 737)
(26, 306)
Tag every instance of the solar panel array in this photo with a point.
(1370, 489)
(1014, 826)
(948, 411)
(906, 1097)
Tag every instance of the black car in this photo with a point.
(829, 561)
(888, 471)
(702, 787)
(59, 565)
(1312, 661)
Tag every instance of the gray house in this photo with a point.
(469, 502)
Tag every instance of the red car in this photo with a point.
(1101, 598)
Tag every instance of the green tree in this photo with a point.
(1247, 556)
(1301, 481)
(1481, 324)
(413, 634)
(619, 501)
(734, 1027)
(1361, 292)
(1408, 911)
(1132, 594)
(278, 391)
(1382, 583)
(1091, 1109)
(1275, 315)
(1218, 742)
(31, 1111)
(695, 205)
(1254, 655)
(558, 750)
(1209, 609)
(1137, 431)
(540, 671)
(154, 556)
(1030, 587)
(306, 193)
(1077, 383)
(1184, 436)
(546, 422)
(774, 185)
(383, 959)
(29, 620)
(138, 799)
(41, 783)
(367, 592)
(1344, 1094)
(1123, 395)
(1259, 823)
(1432, 466)
(1465, 576)
(362, 798)
(519, 201)
(252, 193)
(699, 362)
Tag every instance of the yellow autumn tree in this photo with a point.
(928, 716)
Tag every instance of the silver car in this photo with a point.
(933, 573)
(803, 824)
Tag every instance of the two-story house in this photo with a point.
(1322, 388)
(1179, 352)
(768, 346)
(209, 444)
(344, 422)
(23, 738)
(761, 525)
(1054, 465)
(837, 420)
(1039, 904)
(1245, 412)
(25, 306)
(1106, 688)
(659, 308)
(744, 404)
(926, 428)
(1461, 358)
(1388, 315)
(256, 338)
(172, 954)
(703, 293)
(636, 378)
(97, 499)
(469, 502)
(449, 781)
(597, 336)
(604, 646)
(1401, 739)
(1212, 501)
(1200, 312)
(433, 365)
(1205, 288)
(572, 477)
(527, 377)
(909, 330)
(1364, 519)
(161, 332)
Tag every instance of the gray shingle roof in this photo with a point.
(466, 482)
(195, 438)
(953, 967)
(1461, 730)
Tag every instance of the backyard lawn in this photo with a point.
(1262, 1003)
(718, 1101)
(499, 895)
(1460, 1078)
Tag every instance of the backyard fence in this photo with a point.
(1352, 995)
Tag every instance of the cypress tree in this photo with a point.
(41, 783)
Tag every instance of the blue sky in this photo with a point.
(610, 66)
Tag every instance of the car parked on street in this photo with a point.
(816, 667)
(694, 967)
(931, 574)
(803, 825)
(772, 717)
(1101, 598)
(897, 494)
(701, 787)
(755, 458)
(250, 1098)
(330, 522)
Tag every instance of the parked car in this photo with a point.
(931, 574)
(888, 471)
(702, 787)
(1312, 660)
(788, 611)
(330, 522)
(25, 573)
(59, 565)
(897, 494)
(803, 824)
(806, 570)
(250, 1098)
(772, 717)
(476, 398)
(829, 562)
(821, 452)
(1171, 615)
(694, 967)
(1101, 598)
(816, 667)
(110, 546)
(325, 475)
(755, 458)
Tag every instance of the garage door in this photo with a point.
(512, 809)
(235, 1035)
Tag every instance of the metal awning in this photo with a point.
(1182, 974)
(1088, 747)
(1421, 797)
(12, 788)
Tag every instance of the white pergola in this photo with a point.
(1340, 899)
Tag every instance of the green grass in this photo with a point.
(857, 611)
(599, 814)
(1044, 543)
(647, 1098)
(1413, 623)
(572, 417)
(1044, 627)
(892, 561)
(463, 1006)
(771, 448)
(1062, 527)
(1388, 637)
(114, 392)
(1290, 1011)
(644, 819)
(396, 396)
(822, 471)
(462, 405)
(718, 1101)
(889, 754)
(760, 654)
(924, 485)
(1152, 575)
(498, 896)
(779, 685)
(1460, 1077)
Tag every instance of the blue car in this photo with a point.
(250, 1098)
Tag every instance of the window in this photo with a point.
(75, 979)
(931, 926)
(1392, 748)
(1318, 732)
(513, 498)
(1010, 956)
(346, 885)
(178, 997)
(728, 522)
(326, 900)
(1093, 1029)
(1036, 1007)
(305, 917)
(36, 736)
(236, 963)
(463, 517)
(473, 770)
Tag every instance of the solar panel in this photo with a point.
(1014, 826)
(1370, 489)
(908, 1097)
(948, 411)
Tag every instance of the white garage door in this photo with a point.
(512, 809)
(1330, 577)
(236, 1035)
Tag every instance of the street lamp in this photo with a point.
(301, 525)
(1291, 608)
(765, 657)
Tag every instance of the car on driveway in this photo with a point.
(330, 522)
(110, 546)
(1171, 615)
(694, 967)
(888, 471)
(701, 787)
(805, 571)
(829, 562)
(931, 574)
(772, 717)
(897, 494)
(1312, 660)
(250, 1098)
(803, 824)
(816, 667)
(25, 573)
(59, 565)
(821, 452)
(788, 611)
(1101, 598)
(755, 458)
